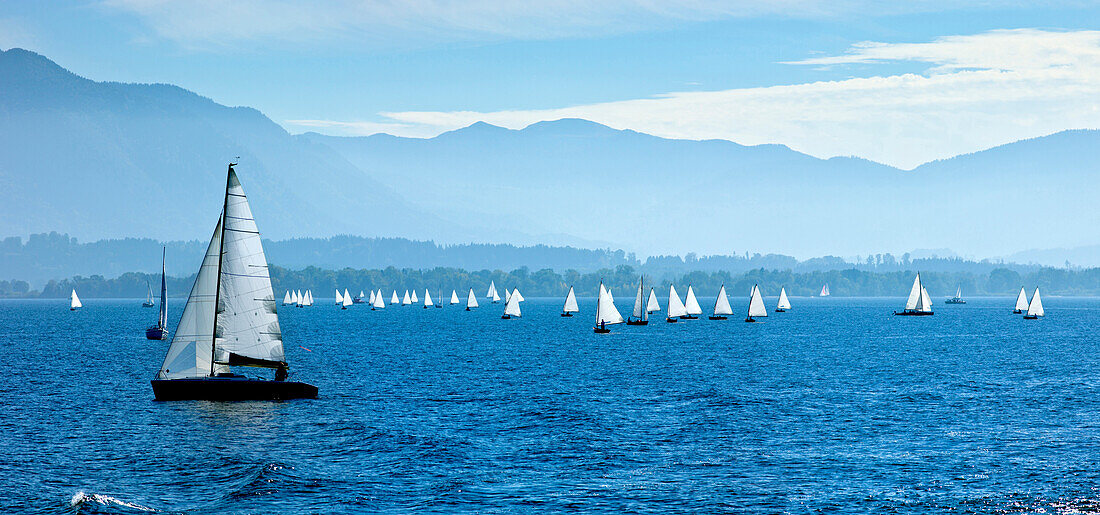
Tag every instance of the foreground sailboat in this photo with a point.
(918, 303)
(675, 307)
(692, 310)
(1021, 302)
(229, 319)
(158, 331)
(471, 300)
(784, 303)
(652, 306)
(347, 300)
(149, 294)
(379, 302)
(606, 313)
(957, 299)
(640, 315)
(74, 301)
(1035, 307)
(570, 306)
(722, 306)
(370, 300)
(511, 306)
(428, 299)
(756, 305)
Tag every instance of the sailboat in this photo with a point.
(692, 309)
(640, 315)
(511, 306)
(1035, 307)
(1021, 302)
(652, 306)
(454, 297)
(721, 305)
(756, 305)
(675, 307)
(359, 299)
(492, 293)
(158, 331)
(370, 300)
(471, 301)
(339, 297)
(296, 298)
(286, 298)
(824, 291)
(347, 300)
(957, 299)
(148, 296)
(606, 313)
(405, 301)
(439, 295)
(570, 306)
(309, 298)
(415, 299)
(74, 302)
(784, 303)
(918, 303)
(428, 299)
(229, 319)
(379, 302)
(394, 299)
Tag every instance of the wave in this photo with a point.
(81, 499)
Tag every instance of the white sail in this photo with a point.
(570, 302)
(610, 296)
(370, 300)
(394, 299)
(149, 294)
(722, 303)
(507, 295)
(511, 307)
(914, 299)
(784, 302)
(361, 294)
(286, 298)
(189, 353)
(309, 297)
(471, 301)
(1021, 300)
(639, 311)
(516, 293)
(454, 297)
(756, 304)
(1035, 308)
(414, 298)
(379, 302)
(652, 306)
(675, 307)
(405, 301)
(691, 304)
(293, 298)
(339, 297)
(492, 292)
(428, 299)
(824, 290)
(959, 292)
(347, 299)
(606, 313)
(925, 299)
(74, 301)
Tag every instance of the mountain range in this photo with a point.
(109, 160)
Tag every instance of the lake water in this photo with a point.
(833, 406)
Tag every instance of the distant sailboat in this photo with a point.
(74, 302)
(359, 299)
(339, 297)
(511, 307)
(347, 300)
(296, 298)
(957, 299)
(675, 307)
(439, 296)
(824, 291)
(1035, 307)
(394, 299)
(149, 295)
(606, 313)
(784, 302)
(492, 293)
(405, 301)
(918, 303)
(286, 298)
(652, 306)
(1021, 302)
(722, 306)
(640, 315)
(158, 331)
(471, 301)
(756, 305)
(570, 306)
(428, 299)
(692, 309)
(229, 319)
(379, 302)
(414, 298)
(454, 297)
(370, 300)
(309, 298)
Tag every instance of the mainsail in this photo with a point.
(570, 302)
(286, 298)
(1035, 308)
(414, 299)
(639, 303)
(722, 303)
(492, 293)
(652, 306)
(675, 307)
(428, 299)
(471, 301)
(1021, 300)
(516, 293)
(74, 301)
(379, 302)
(784, 302)
(756, 304)
(691, 305)
(394, 299)
(606, 313)
(405, 301)
(339, 297)
(454, 297)
(371, 299)
(347, 299)
(511, 307)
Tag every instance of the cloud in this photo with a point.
(980, 91)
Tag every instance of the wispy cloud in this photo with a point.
(979, 91)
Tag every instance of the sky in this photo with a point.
(900, 83)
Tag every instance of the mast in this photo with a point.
(221, 254)
(599, 297)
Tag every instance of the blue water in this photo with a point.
(834, 406)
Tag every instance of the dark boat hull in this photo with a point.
(717, 317)
(689, 317)
(230, 389)
(597, 330)
(913, 313)
(505, 317)
(637, 322)
(953, 301)
(155, 333)
(147, 305)
(1017, 311)
(566, 314)
(778, 310)
(750, 320)
(671, 320)
(1030, 317)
